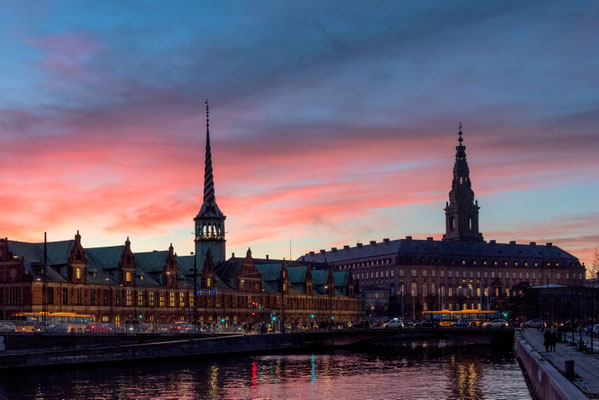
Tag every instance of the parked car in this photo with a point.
(360, 325)
(569, 325)
(497, 323)
(428, 324)
(463, 323)
(95, 327)
(395, 323)
(534, 323)
(57, 328)
(6, 327)
(180, 327)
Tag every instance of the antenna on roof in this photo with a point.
(290, 249)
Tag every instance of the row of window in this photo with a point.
(465, 274)
(453, 262)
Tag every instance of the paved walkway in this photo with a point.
(586, 366)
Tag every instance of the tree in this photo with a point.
(594, 268)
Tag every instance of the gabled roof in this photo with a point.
(186, 265)
(297, 275)
(320, 277)
(33, 253)
(104, 257)
(228, 269)
(270, 272)
(341, 278)
(151, 261)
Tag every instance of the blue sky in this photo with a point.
(332, 122)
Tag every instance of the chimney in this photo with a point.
(492, 242)
(408, 237)
(549, 244)
(533, 244)
(430, 238)
(311, 253)
(373, 242)
(512, 242)
(346, 247)
(359, 245)
(322, 251)
(334, 249)
(267, 256)
(386, 240)
(232, 255)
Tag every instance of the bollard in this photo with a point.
(569, 367)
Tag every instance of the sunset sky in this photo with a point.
(330, 124)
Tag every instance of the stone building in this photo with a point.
(460, 271)
(115, 284)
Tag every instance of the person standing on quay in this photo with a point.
(547, 340)
(553, 340)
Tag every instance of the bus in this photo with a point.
(55, 322)
(474, 317)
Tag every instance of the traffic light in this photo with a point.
(505, 314)
(274, 318)
(332, 317)
(222, 320)
(140, 316)
(311, 315)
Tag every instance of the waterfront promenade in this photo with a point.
(586, 365)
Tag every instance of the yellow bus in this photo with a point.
(55, 322)
(474, 317)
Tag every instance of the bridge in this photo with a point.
(62, 350)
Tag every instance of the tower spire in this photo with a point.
(210, 221)
(209, 198)
(461, 213)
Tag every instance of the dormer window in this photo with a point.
(208, 282)
(77, 273)
(127, 276)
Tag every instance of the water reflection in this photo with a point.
(424, 374)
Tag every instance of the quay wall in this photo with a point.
(230, 344)
(546, 382)
(26, 351)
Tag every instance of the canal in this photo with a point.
(406, 374)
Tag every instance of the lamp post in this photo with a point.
(195, 289)
(45, 286)
(413, 304)
(403, 316)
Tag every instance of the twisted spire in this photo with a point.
(208, 179)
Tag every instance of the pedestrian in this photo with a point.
(547, 340)
(553, 339)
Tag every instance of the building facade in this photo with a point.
(460, 271)
(115, 284)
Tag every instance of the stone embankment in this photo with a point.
(546, 382)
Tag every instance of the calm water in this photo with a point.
(429, 374)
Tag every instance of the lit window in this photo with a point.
(128, 276)
(78, 273)
(151, 299)
(171, 300)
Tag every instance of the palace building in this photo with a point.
(460, 271)
(115, 284)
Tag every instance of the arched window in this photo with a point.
(414, 289)
(424, 290)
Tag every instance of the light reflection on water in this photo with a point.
(426, 374)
